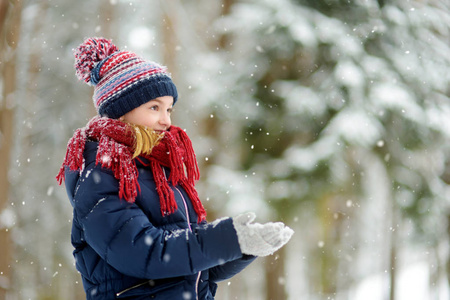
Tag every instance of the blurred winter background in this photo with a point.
(332, 116)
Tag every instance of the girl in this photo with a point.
(139, 228)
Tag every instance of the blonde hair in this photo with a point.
(145, 139)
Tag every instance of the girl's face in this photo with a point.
(154, 114)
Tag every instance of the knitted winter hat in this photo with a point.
(122, 80)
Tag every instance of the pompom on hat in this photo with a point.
(122, 79)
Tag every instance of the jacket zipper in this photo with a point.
(130, 288)
(185, 208)
(190, 229)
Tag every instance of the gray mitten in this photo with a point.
(260, 239)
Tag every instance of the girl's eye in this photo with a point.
(170, 110)
(154, 107)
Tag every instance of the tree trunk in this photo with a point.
(393, 252)
(275, 272)
(10, 18)
(224, 39)
(169, 42)
(448, 255)
(107, 13)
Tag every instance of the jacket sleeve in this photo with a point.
(229, 269)
(125, 238)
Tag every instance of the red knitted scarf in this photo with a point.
(115, 152)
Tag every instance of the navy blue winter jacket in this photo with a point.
(130, 251)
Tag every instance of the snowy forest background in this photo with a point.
(332, 116)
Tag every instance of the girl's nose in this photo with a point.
(164, 119)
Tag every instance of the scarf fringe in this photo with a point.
(190, 159)
(117, 157)
(74, 154)
(167, 202)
